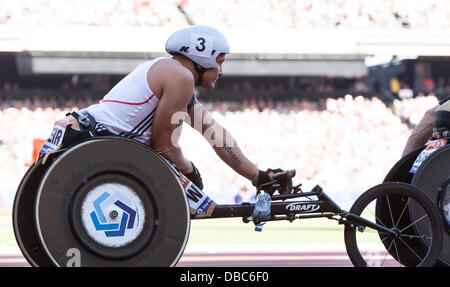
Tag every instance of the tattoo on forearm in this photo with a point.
(233, 157)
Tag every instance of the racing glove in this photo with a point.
(284, 178)
(195, 177)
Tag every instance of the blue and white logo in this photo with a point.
(112, 229)
(113, 215)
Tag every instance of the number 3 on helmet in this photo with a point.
(201, 44)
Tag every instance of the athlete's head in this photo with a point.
(205, 47)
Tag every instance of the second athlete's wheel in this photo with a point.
(111, 202)
(400, 171)
(433, 177)
(369, 247)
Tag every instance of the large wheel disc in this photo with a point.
(111, 202)
(433, 177)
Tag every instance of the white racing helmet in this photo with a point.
(201, 44)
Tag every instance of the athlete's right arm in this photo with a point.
(176, 92)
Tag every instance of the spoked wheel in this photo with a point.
(400, 243)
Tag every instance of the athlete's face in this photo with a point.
(210, 76)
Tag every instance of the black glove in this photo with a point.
(195, 177)
(284, 178)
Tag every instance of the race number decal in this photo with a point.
(200, 205)
(201, 45)
(432, 145)
(56, 137)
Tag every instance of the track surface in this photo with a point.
(234, 259)
(265, 259)
(238, 256)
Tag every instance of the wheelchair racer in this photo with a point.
(142, 105)
(434, 123)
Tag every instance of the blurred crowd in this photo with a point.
(300, 14)
(346, 144)
(296, 14)
(92, 12)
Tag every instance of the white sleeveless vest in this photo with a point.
(128, 109)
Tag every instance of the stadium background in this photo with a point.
(331, 88)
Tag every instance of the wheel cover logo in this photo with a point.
(100, 222)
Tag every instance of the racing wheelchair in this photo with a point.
(427, 168)
(115, 202)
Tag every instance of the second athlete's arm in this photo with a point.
(422, 132)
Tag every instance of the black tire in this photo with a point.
(23, 214)
(426, 255)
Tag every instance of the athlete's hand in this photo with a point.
(284, 178)
(195, 177)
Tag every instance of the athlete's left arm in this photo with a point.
(222, 142)
(422, 132)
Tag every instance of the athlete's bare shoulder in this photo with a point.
(169, 73)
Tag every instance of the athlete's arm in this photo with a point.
(222, 142)
(176, 92)
(422, 132)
